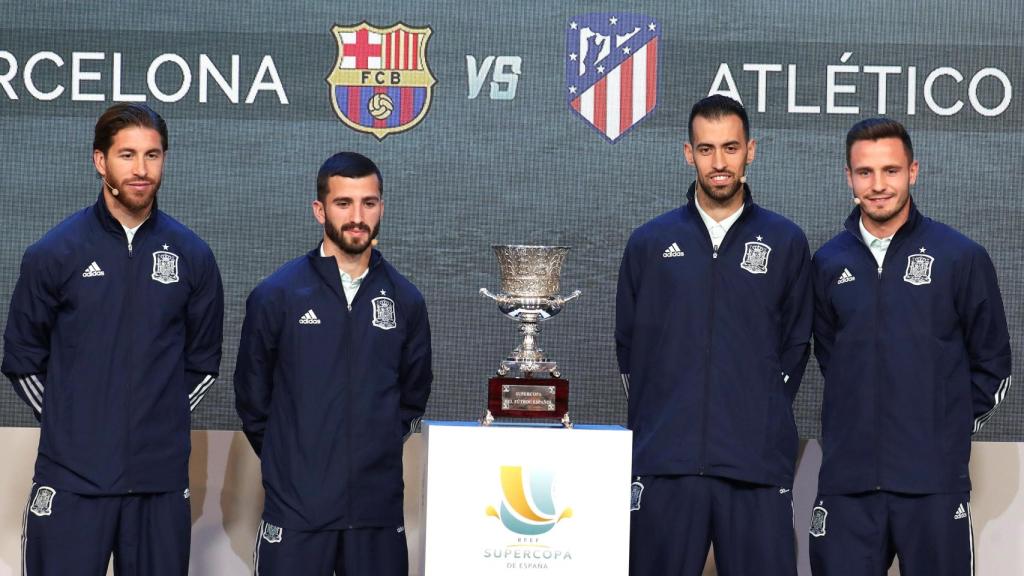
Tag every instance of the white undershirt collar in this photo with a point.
(878, 246)
(717, 230)
(349, 284)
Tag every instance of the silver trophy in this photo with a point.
(529, 295)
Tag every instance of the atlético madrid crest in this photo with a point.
(611, 70)
(380, 83)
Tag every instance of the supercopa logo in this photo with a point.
(380, 83)
(528, 504)
(529, 508)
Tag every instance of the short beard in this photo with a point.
(719, 196)
(337, 236)
(883, 218)
(131, 205)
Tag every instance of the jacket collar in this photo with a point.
(112, 225)
(914, 219)
(691, 204)
(327, 268)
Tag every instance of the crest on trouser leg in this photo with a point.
(818, 516)
(42, 504)
(636, 491)
(271, 533)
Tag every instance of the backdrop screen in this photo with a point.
(506, 122)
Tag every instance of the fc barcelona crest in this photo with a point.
(165, 267)
(755, 257)
(919, 269)
(384, 313)
(380, 83)
(611, 70)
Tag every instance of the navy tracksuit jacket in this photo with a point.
(915, 356)
(712, 345)
(112, 346)
(327, 392)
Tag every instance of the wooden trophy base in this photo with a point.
(528, 398)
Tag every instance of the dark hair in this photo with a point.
(349, 165)
(715, 107)
(876, 129)
(121, 116)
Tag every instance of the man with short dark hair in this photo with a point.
(334, 370)
(713, 323)
(911, 337)
(114, 335)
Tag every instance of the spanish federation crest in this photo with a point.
(380, 83)
(919, 269)
(636, 491)
(165, 267)
(818, 516)
(611, 70)
(271, 533)
(42, 504)
(755, 257)
(384, 313)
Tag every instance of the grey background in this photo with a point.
(478, 172)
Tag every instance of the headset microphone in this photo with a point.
(856, 201)
(113, 190)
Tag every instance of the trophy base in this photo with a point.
(528, 398)
(488, 419)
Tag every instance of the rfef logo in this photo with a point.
(528, 503)
(611, 70)
(380, 83)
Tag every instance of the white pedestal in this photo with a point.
(513, 500)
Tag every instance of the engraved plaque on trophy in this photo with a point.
(529, 384)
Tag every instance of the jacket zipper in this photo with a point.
(129, 276)
(349, 347)
(878, 359)
(707, 363)
(702, 465)
(348, 404)
(878, 381)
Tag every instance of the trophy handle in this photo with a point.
(558, 301)
(501, 299)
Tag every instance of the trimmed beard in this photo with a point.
(883, 218)
(337, 235)
(129, 202)
(719, 196)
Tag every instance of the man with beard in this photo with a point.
(334, 370)
(713, 322)
(114, 335)
(911, 337)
